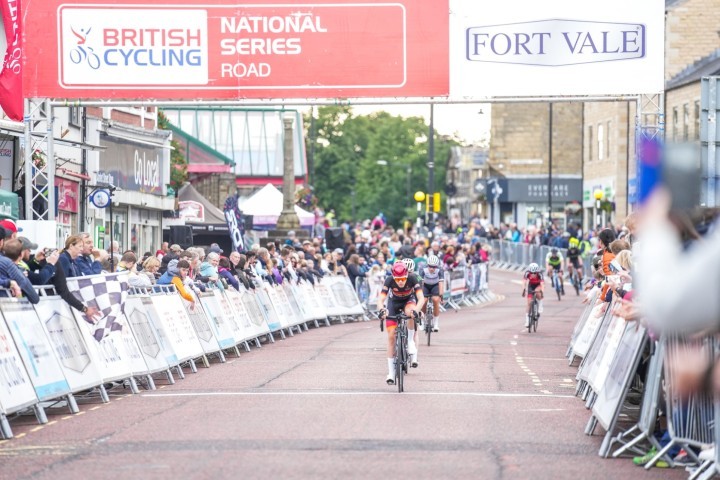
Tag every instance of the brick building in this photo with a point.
(521, 153)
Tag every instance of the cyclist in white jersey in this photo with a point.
(433, 287)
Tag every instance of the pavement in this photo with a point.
(488, 401)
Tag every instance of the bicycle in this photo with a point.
(576, 280)
(429, 323)
(534, 314)
(401, 353)
(556, 283)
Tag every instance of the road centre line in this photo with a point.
(349, 394)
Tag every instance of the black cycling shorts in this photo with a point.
(431, 290)
(396, 305)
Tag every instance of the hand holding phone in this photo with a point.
(615, 266)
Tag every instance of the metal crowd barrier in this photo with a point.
(466, 285)
(609, 376)
(51, 354)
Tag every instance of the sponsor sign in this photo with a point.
(214, 50)
(566, 47)
(192, 211)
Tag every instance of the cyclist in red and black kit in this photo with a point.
(533, 281)
(406, 297)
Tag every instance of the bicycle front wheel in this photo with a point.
(399, 362)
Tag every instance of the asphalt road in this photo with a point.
(488, 401)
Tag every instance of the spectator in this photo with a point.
(38, 274)
(145, 278)
(127, 262)
(215, 248)
(10, 227)
(85, 262)
(225, 272)
(353, 269)
(241, 275)
(175, 275)
(173, 254)
(209, 270)
(74, 245)
(275, 271)
(12, 249)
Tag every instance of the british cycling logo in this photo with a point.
(82, 53)
(136, 47)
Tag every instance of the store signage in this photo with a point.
(131, 166)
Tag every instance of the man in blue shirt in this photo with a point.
(86, 262)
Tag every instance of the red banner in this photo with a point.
(182, 50)
(11, 93)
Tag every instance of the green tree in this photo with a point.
(178, 162)
(381, 157)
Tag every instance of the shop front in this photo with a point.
(530, 200)
(137, 164)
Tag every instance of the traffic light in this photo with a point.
(437, 202)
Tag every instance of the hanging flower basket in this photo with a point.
(306, 199)
(39, 159)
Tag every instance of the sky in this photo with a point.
(463, 119)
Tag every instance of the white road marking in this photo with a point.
(544, 410)
(513, 343)
(319, 394)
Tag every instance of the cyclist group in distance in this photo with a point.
(407, 292)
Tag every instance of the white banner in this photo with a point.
(281, 306)
(563, 47)
(201, 324)
(146, 336)
(311, 301)
(174, 326)
(345, 299)
(218, 321)
(587, 335)
(67, 340)
(248, 313)
(108, 353)
(610, 396)
(35, 349)
(610, 341)
(271, 317)
(16, 390)
(227, 310)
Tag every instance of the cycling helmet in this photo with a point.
(399, 270)
(574, 242)
(533, 268)
(409, 264)
(433, 261)
(553, 251)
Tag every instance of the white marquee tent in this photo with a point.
(266, 205)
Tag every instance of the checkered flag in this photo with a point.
(107, 293)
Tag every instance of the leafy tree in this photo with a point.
(381, 157)
(178, 162)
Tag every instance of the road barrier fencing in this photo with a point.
(51, 353)
(613, 384)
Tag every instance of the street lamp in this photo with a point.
(598, 194)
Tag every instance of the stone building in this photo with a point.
(521, 153)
